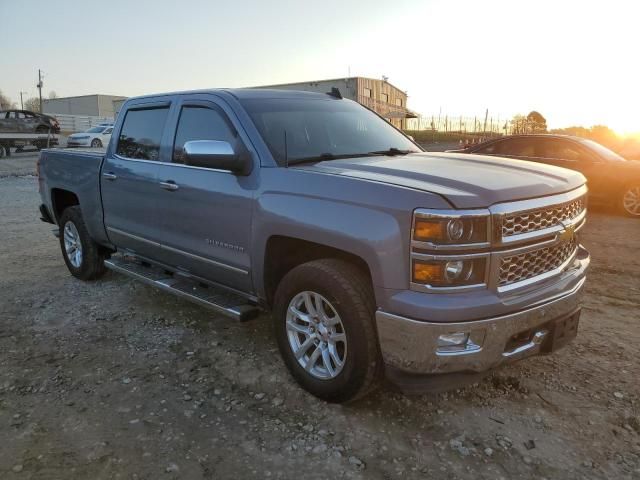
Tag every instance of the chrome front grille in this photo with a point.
(533, 220)
(521, 267)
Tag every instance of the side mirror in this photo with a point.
(216, 154)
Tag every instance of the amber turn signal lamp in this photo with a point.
(427, 272)
(428, 230)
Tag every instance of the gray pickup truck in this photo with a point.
(375, 258)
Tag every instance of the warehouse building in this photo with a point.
(86, 105)
(379, 95)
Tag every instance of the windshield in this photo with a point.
(96, 130)
(604, 152)
(322, 129)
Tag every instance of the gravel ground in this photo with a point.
(113, 379)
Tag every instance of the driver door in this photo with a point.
(205, 213)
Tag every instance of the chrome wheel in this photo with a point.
(95, 143)
(316, 335)
(631, 201)
(72, 244)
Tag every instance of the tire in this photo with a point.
(347, 300)
(630, 200)
(96, 143)
(89, 263)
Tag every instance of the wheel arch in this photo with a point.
(283, 253)
(61, 199)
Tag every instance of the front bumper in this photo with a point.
(411, 347)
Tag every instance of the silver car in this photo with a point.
(95, 137)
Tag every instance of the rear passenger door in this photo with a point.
(129, 180)
(205, 214)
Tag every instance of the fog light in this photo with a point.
(460, 343)
(458, 339)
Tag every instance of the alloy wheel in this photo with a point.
(316, 335)
(72, 244)
(631, 201)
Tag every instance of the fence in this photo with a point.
(79, 123)
(485, 124)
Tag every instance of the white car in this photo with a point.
(97, 136)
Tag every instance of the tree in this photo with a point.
(5, 102)
(53, 94)
(518, 124)
(536, 123)
(32, 104)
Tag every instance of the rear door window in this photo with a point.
(513, 147)
(562, 150)
(141, 133)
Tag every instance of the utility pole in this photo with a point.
(40, 87)
(21, 102)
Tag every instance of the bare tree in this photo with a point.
(32, 104)
(5, 102)
(518, 124)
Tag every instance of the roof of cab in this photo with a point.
(247, 93)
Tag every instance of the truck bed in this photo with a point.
(68, 174)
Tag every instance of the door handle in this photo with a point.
(169, 185)
(109, 176)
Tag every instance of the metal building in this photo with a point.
(379, 95)
(87, 105)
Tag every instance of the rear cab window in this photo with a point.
(141, 133)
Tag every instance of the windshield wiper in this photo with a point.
(330, 156)
(393, 151)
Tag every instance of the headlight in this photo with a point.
(450, 249)
(449, 231)
(449, 272)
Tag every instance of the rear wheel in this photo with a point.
(323, 319)
(96, 143)
(83, 256)
(630, 202)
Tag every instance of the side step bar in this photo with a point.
(218, 299)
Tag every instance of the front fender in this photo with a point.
(368, 219)
(374, 236)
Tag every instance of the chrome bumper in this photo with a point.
(412, 346)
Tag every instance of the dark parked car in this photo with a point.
(613, 180)
(24, 121)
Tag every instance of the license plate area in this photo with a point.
(561, 332)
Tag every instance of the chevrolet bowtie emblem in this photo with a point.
(567, 233)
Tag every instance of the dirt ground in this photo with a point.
(113, 379)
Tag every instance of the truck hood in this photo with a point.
(466, 181)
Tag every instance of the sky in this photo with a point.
(576, 62)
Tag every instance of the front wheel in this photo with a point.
(323, 319)
(96, 143)
(83, 256)
(631, 201)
